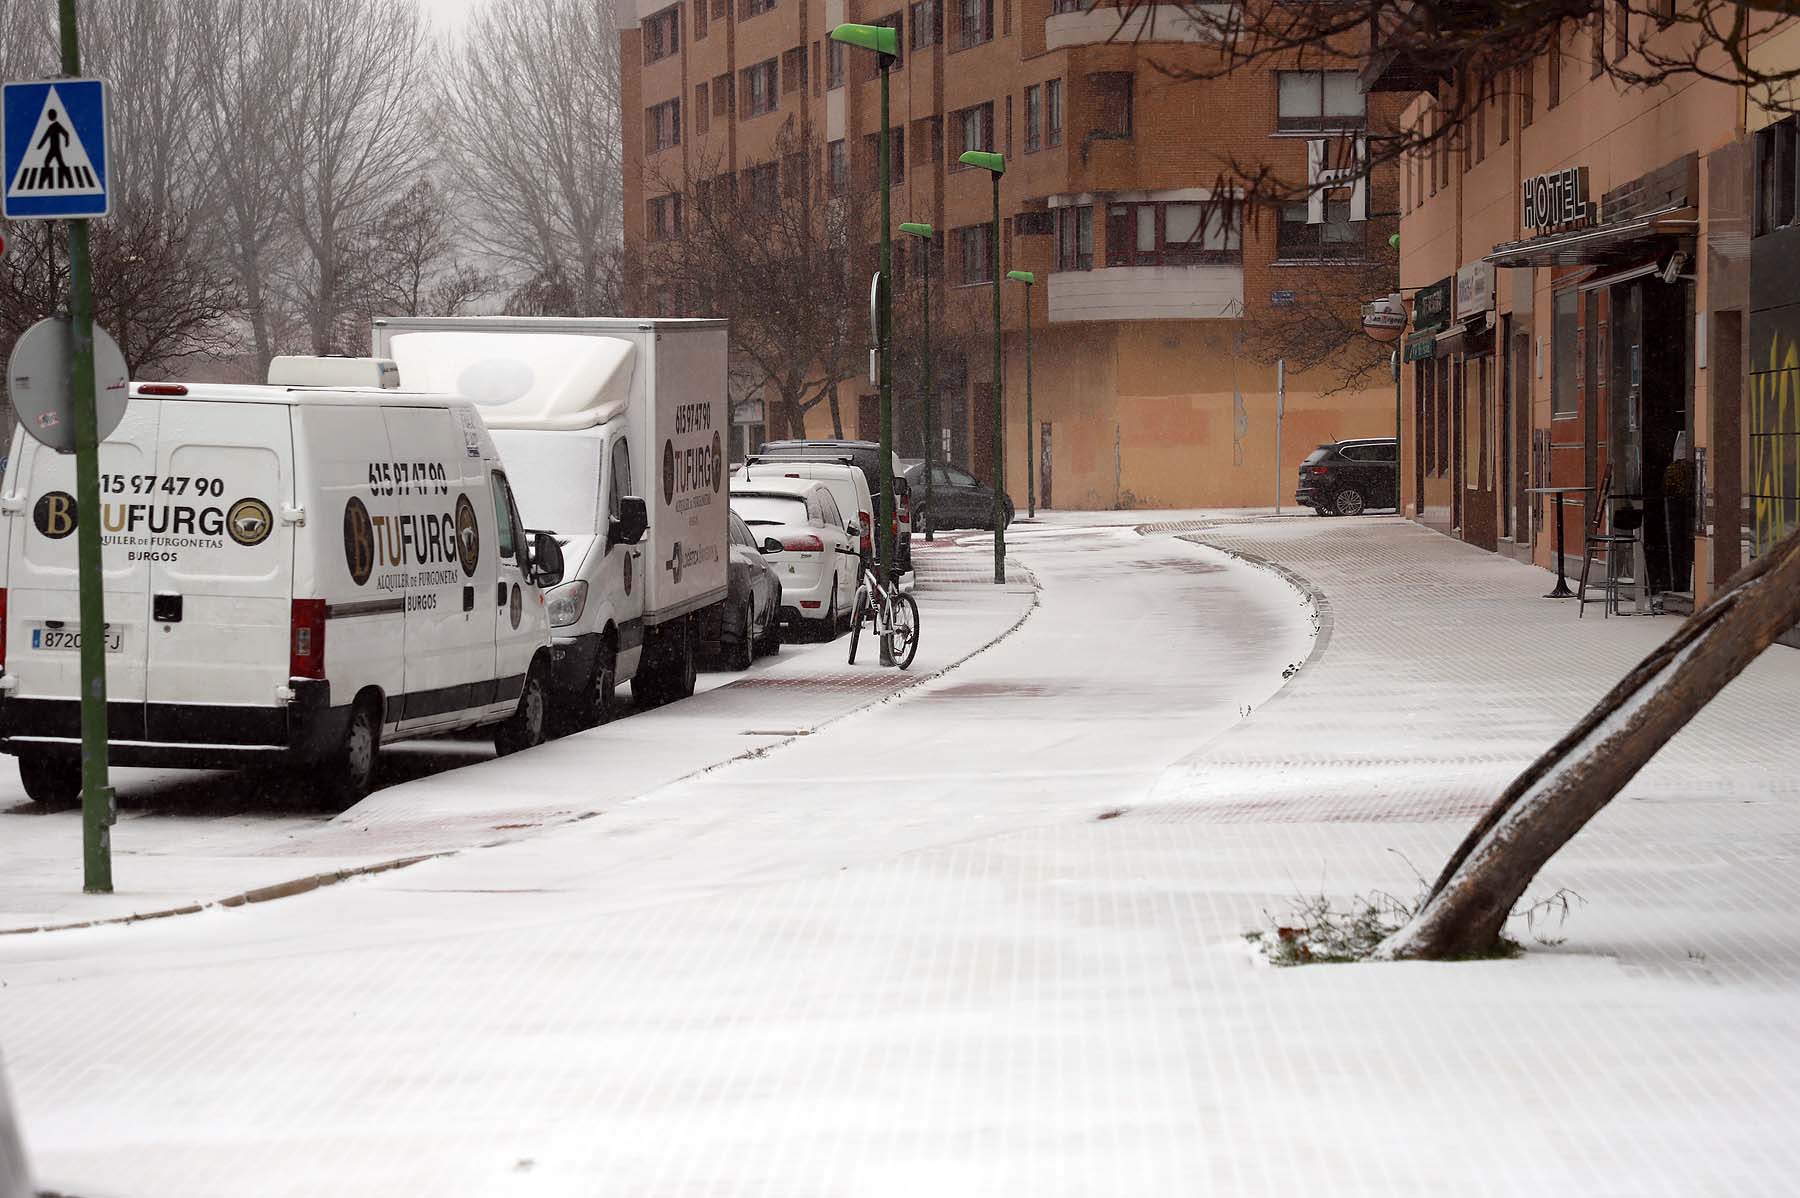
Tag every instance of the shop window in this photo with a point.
(761, 83)
(1316, 100)
(1777, 166)
(974, 22)
(1564, 355)
(662, 125)
(927, 23)
(975, 254)
(1338, 239)
(974, 130)
(1075, 238)
(662, 34)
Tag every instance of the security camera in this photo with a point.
(1672, 271)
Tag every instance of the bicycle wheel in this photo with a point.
(858, 610)
(902, 637)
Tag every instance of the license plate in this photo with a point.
(69, 638)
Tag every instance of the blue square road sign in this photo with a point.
(55, 161)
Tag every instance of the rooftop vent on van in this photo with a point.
(296, 370)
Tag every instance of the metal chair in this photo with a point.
(1618, 545)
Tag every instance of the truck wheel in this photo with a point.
(524, 728)
(684, 671)
(51, 780)
(349, 775)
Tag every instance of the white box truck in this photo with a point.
(615, 433)
(292, 575)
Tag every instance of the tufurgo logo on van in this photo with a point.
(395, 543)
(691, 469)
(249, 521)
(54, 515)
(161, 526)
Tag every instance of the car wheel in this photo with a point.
(738, 636)
(1348, 502)
(51, 780)
(524, 728)
(350, 776)
(770, 643)
(832, 625)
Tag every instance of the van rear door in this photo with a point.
(221, 566)
(43, 597)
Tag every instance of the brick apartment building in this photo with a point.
(1144, 394)
(1604, 299)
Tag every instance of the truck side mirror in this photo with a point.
(546, 560)
(630, 524)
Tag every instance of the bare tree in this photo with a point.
(412, 261)
(1322, 329)
(766, 250)
(353, 137)
(240, 57)
(531, 111)
(143, 50)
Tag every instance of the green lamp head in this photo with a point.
(1022, 276)
(917, 230)
(986, 161)
(878, 38)
(1394, 241)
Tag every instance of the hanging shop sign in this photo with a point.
(1421, 346)
(1431, 306)
(1474, 289)
(1558, 200)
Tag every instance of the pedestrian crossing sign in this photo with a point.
(54, 156)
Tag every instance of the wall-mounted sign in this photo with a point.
(1281, 299)
(1431, 306)
(1558, 200)
(1474, 289)
(1421, 346)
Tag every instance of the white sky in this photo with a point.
(448, 16)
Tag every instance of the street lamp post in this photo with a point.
(925, 232)
(885, 43)
(1029, 279)
(995, 166)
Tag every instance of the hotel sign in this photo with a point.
(1558, 200)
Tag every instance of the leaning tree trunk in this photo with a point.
(1468, 906)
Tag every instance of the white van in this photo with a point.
(292, 577)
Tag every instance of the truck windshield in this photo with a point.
(757, 510)
(555, 478)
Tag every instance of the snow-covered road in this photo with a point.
(918, 950)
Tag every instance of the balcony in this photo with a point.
(1212, 292)
(1128, 23)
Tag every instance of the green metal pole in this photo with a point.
(999, 412)
(885, 299)
(1030, 428)
(931, 431)
(96, 794)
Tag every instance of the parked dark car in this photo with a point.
(751, 625)
(865, 456)
(1347, 477)
(958, 498)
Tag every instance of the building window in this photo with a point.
(1503, 98)
(1621, 29)
(720, 8)
(1053, 112)
(1034, 118)
(1477, 151)
(1075, 238)
(762, 185)
(928, 140)
(1554, 91)
(1564, 334)
(974, 130)
(1527, 98)
(1339, 239)
(721, 95)
(837, 168)
(1314, 100)
(754, 8)
(663, 217)
(927, 24)
(1110, 102)
(662, 34)
(1061, 6)
(699, 19)
(662, 125)
(793, 69)
(898, 25)
(975, 254)
(1776, 170)
(974, 22)
(700, 107)
(1035, 224)
(896, 154)
(834, 65)
(1181, 233)
(760, 86)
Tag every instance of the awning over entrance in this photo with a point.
(1600, 245)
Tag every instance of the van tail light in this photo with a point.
(171, 389)
(867, 524)
(2, 630)
(802, 544)
(306, 654)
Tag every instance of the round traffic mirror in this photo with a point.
(37, 378)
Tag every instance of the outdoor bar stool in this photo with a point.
(1618, 546)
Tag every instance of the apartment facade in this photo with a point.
(1152, 280)
(1602, 288)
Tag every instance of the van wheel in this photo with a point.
(350, 775)
(524, 728)
(51, 780)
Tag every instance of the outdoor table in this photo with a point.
(1561, 590)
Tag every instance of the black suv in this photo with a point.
(865, 456)
(1345, 478)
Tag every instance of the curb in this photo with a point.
(312, 882)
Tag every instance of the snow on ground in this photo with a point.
(919, 948)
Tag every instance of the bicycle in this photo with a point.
(893, 613)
